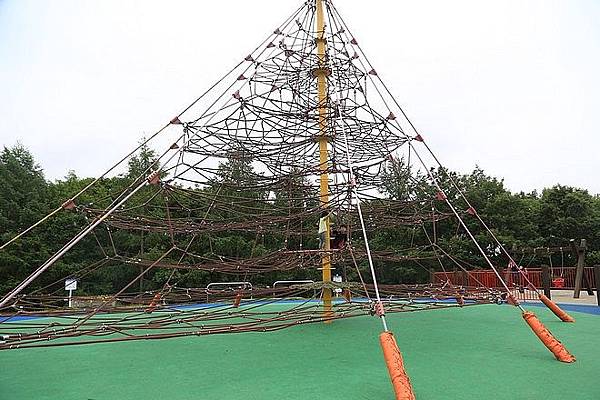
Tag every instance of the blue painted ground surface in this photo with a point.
(583, 308)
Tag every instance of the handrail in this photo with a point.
(298, 281)
(244, 284)
(291, 282)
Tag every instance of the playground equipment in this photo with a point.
(301, 128)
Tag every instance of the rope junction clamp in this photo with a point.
(154, 178)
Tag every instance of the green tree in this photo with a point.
(568, 213)
(141, 161)
(23, 201)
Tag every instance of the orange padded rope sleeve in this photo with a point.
(237, 300)
(153, 303)
(395, 366)
(559, 312)
(555, 346)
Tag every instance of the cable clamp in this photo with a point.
(154, 178)
(377, 309)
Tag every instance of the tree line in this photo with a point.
(520, 220)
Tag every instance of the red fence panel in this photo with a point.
(488, 278)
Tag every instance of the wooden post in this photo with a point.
(597, 277)
(546, 281)
(587, 284)
(580, 253)
(141, 280)
(464, 278)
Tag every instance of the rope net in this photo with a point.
(234, 201)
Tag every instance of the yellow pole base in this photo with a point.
(327, 306)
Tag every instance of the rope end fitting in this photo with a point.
(512, 300)
(379, 310)
(154, 178)
(237, 300)
(68, 205)
(154, 303)
(347, 295)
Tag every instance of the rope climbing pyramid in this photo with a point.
(259, 214)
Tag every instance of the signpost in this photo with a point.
(70, 285)
(338, 279)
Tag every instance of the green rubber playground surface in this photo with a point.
(480, 352)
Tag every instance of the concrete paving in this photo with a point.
(566, 297)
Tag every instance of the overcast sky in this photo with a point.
(511, 86)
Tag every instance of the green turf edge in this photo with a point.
(482, 352)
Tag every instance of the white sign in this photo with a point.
(71, 284)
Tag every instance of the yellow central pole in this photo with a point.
(321, 74)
